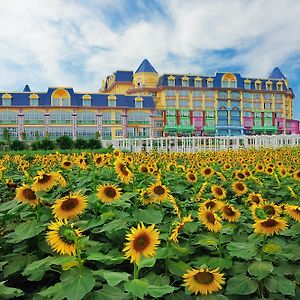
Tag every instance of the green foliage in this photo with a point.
(94, 144)
(64, 142)
(81, 144)
(17, 145)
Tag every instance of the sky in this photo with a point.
(78, 43)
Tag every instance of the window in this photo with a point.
(235, 114)
(170, 93)
(158, 113)
(86, 100)
(197, 113)
(185, 81)
(228, 81)
(247, 104)
(256, 95)
(278, 115)
(209, 114)
(222, 103)
(184, 113)
(278, 96)
(106, 133)
(138, 117)
(210, 82)
(222, 114)
(235, 104)
(171, 122)
(57, 131)
(198, 82)
(256, 105)
(60, 117)
(158, 123)
(235, 95)
(223, 95)
(268, 115)
(34, 100)
(171, 113)
(34, 117)
(60, 97)
(247, 114)
(171, 81)
(210, 94)
(6, 99)
(268, 105)
(8, 117)
(183, 103)
(119, 132)
(86, 132)
(197, 93)
(112, 101)
(209, 104)
(197, 104)
(247, 84)
(185, 122)
(235, 122)
(278, 105)
(247, 95)
(257, 115)
(279, 86)
(170, 103)
(269, 85)
(183, 93)
(258, 85)
(86, 117)
(106, 117)
(138, 102)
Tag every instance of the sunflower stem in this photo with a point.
(135, 276)
(78, 254)
(262, 247)
(220, 246)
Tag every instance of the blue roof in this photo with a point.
(123, 76)
(145, 66)
(26, 88)
(276, 74)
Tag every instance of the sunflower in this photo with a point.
(269, 170)
(207, 172)
(218, 192)
(158, 192)
(45, 181)
(239, 188)
(255, 198)
(123, 172)
(82, 162)
(70, 206)
(293, 211)
(259, 168)
(240, 175)
(11, 184)
(191, 177)
(270, 209)
(108, 193)
(66, 164)
(212, 205)
(26, 195)
(179, 225)
(210, 220)
(230, 213)
(141, 241)
(203, 280)
(269, 226)
(296, 175)
(143, 169)
(226, 166)
(62, 237)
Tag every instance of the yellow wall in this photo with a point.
(146, 78)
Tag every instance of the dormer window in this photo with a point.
(111, 101)
(185, 81)
(279, 86)
(269, 85)
(247, 84)
(258, 85)
(210, 82)
(6, 99)
(60, 97)
(198, 82)
(34, 100)
(229, 81)
(86, 100)
(138, 102)
(171, 81)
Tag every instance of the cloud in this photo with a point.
(78, 43)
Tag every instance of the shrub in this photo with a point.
(94, 144)
(36, 145)
(65, 142)
(81, 144)
(46, 144)
(17, 145)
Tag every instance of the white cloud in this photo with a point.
(46, 40)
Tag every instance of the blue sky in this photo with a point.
(78, 43)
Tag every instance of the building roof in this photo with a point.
(26, 88)
(276, 74)
(145, 66)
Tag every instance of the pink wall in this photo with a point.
(198, 123)
(248, 122)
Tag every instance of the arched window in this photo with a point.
(229, 81)
(34, 100)
(171, 81)
(86, 100)
(111, 101)
(6, 99)
(138, 102)
(60, 97)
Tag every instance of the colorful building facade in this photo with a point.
(145, 104)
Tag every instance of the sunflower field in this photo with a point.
(176, 226)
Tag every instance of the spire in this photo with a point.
(145, 66)
(26, 88)
(276, 74)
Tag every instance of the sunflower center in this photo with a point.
(192, 177)
(241, 175)
(67, 163)
(45, 178)
(141, 242)
(159, 190)
(255, 199)
(269, 223)
(124, 170)
(240, 186)
(210, 217)
(229, 211)
(297, 210)
(69, 204)
(204, 277)
(29, 194)
(210, 204)
(207, 171)
(269, 210)
(98, 160)
(110, 192)
(144, 169)
(219, 191)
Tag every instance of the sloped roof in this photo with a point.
(145, 66)
(26, 88)
(276, 74)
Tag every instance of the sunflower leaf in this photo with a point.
(9, 292)
(280, 284)
(260, 269)
(159, 291)
(241, 285)
(114, 225)
(108, 293)
(149, 215)
(242, 250)
(146, 262)
(137, 287)
(112, 278)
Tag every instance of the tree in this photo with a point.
(17, 145)
(65, 142)
(81, 144)
(94, 144)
